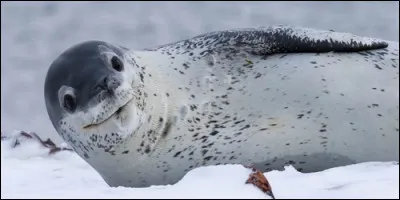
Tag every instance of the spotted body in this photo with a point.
(269, 97)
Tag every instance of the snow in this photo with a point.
(27, 171)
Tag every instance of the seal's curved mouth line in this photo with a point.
(119, 110)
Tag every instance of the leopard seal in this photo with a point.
(269, 97)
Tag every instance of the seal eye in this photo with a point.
(116, 63)
(69, 102)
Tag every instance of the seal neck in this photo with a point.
(152, 101)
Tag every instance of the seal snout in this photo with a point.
(108, 83)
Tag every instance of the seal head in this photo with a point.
(88, 85)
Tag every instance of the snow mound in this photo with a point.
(29, 171)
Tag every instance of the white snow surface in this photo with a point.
(27, 171)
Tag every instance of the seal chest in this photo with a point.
(269, 96)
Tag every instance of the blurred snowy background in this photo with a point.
(35, 33)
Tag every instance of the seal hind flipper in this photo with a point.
(274, 39)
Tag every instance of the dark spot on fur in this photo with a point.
(378, 67)
(204, 137)
(186, 66)
(225, 102)
(239, 122)
(147, 150)
(214, 133)
(166, 129)
(141, 77)
(291, 162)
(245, 127)
(237, 134)
(125, 152)
(207, 158)
(177, 154)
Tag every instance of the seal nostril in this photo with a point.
(108, 84)
(119, 110)
(105, 82)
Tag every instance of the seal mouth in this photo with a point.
(117, 112)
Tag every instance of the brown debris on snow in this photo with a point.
(33, 136)
(258, 179)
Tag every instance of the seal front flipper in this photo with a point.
(272, 40)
